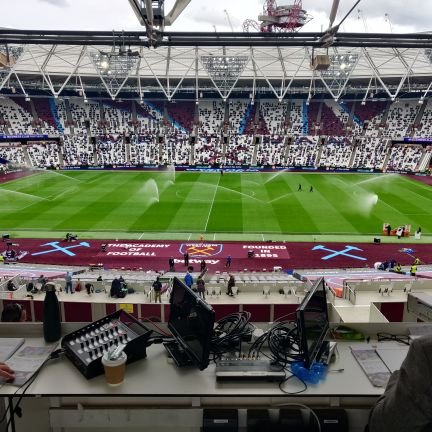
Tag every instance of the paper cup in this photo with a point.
(114, 369)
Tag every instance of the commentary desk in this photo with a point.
(155, 383)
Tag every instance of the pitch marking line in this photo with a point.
(212, 202)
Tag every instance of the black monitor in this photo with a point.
(191, 321)
(313, 322)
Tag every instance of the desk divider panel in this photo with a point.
(38, 310)
(393, 311)
(223, 310)
(110, 308)
(77, 312)
(259, 313)
(281, 310)
(151, 310)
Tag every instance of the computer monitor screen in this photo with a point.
(191, 321)
(312, 322)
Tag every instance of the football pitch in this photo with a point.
(254, 204)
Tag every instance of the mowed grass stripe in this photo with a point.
(298, 217)
(33, 215)
(258, 213)
(278, 195)
(194, 208)
(47, 214)
(140, 195)
(227, 212)
(109, 196)
(160, 215)
(352, 210)
(395, 198)
(324, 208)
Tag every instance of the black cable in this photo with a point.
(25, 386)
(229, 332)
(305, 387)
(282, 341)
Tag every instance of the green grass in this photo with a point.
(180, 205)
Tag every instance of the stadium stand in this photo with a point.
(47, 123)
(13, 153)
(240, 133)
(211, 117)
(296, 118)
(271, 150)
(86, 112)
(370, 153)
(400, 119)
(110, 150)
(77, 150)
(336, 153)
(303, 152)
(239, 150)
(238, 113)
(274, 115)
(404, 157)
(44, 155)
(148, 119)
(177, 149)
(117, 117)
(17, 119)
(207, 149)
(143, 150)
(182, 114)
(424, 129)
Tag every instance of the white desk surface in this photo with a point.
(155, 377)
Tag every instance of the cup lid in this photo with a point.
(106, 361)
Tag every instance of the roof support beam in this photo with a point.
(408, 70)
(376, 71)
(78, 63)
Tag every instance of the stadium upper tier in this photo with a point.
(322, 133)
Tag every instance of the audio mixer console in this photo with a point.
(86, 346)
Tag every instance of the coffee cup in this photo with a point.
(114, 369)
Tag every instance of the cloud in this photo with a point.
(417, 15)
(60, 3)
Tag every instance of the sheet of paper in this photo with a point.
(27, 360)
(372, 365)
(8, 346)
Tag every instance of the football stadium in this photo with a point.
(218, 208)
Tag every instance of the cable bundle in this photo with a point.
(229, 332)
(282, 341)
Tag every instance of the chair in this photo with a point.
(234, 290)
(266, 291)
(286, 290)
(217, 291)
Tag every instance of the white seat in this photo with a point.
(266, 291)
(286, 290)
(234, 290)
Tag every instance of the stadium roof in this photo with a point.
(215, 62)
